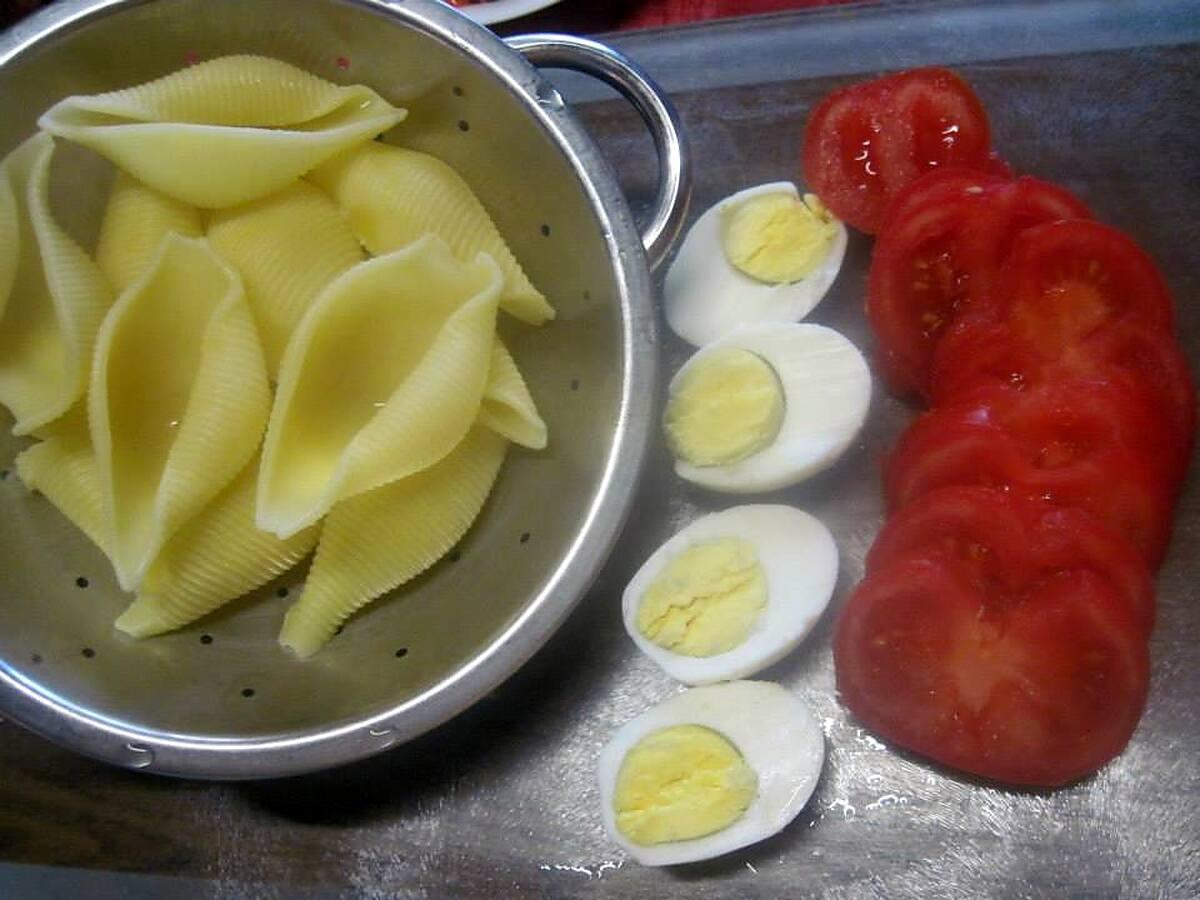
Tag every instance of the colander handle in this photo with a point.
(561, 51)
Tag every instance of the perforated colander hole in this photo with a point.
(401, 653)
(247, 693)
(457, 91)
(88, 652)
(525, 537)
(574, 384)
(464, 125)
(206, 638)
(81, 582)
(545, 231)
(282, 592)
(36, 659)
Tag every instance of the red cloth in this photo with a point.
(651, 13)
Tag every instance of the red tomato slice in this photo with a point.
(1067, 280)
(1147, 364)
(1007, 542)
(1040, 688)
(1042, 451)
(939, 256)
(866, 142)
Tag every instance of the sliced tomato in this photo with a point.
(1040, 687)
(1008, 542)
(1067, 280)
(939, 256)
(867, 142)
(1147, 364)
(1042, 451)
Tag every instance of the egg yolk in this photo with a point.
(681, 783)
(777, 238)
(706, 600)
(726, 406)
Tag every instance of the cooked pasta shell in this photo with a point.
(226, 131)
(393, 196)
(287, 247)
(373, 543)
(213, 559)
(507, 407)
(136, 218)
(382, 378)
(62, 468)
(178, 399)
(55, 301)
(10, 240)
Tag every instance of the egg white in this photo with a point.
(706, 296)
(827, 391)
(799, 559)
(775, 732)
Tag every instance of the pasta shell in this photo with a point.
(136, 218)
(178, 399)
(383, 378)
(62, 468)
(507, 407)
(56, 298)
(213, 559)
(379, 540)
(226, 131)
(287, 247)
(394, 196)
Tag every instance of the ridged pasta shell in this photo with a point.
(178, 399)
(379, 540)
(136, 218)
(287, 247)
(382, 378)
(508, 408)
(226, 131)
(213, 559)
(56, 299)
(62, 468)
(394, 196)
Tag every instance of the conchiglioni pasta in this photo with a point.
(507, 406)
(178, 399)
(372, 543)
(287, 247)
(136, 219)
(226, 131)
(55, 301)
(216, 557)
(383, 378)
(158, 435)
(63, 469)
(394, 196)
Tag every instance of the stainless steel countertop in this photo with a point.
(502, 801)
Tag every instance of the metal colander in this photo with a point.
(220, 698)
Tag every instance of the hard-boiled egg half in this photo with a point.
(766, 407)
(732, 593)
(765, 254)
(708, 771)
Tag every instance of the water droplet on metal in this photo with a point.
(138, 757)
(548, 96)
(385, 735)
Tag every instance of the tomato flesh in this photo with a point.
(1005, 541)
(865, 143)
(938, 259)
(1027, 444)
(1039, 688)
